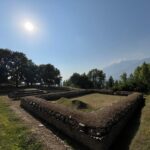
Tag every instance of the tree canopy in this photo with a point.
(138, 81)
(16, 68)
(94, 79)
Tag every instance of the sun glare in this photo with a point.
(29, 26)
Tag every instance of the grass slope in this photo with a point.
(98, 101)
(141, 141)
(13, 134)
(94, 101)
(136, 136)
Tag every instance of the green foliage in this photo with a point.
(30, 73)
(97, 77)
(138, 81)
(49, 75)
(94, 79)
(110, 83)
(17, 68)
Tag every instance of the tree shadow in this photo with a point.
(126, 136)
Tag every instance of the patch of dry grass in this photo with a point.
(97, 101)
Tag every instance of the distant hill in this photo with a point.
(124, 66)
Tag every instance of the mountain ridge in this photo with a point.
(128, 66)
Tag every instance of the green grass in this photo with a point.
(95, 101)
(141, 141)
(13, 134)
(136, 136)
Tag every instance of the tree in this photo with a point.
(84, 82)
(15, 67)
(5, 59)
(67, 83)
(49, 75)
(123, 78)
(30, 73)
(57, 77)
(142, 77)
(138, 81)
(131, 82)
(75, 79)
(110, 82)
(80, 81)
(12, 64)
(97, 77)
(18, 63)
(116, 85)
(123, 85)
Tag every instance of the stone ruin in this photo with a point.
(97, 129)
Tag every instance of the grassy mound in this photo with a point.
(75, 104)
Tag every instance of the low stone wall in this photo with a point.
(76, 93)
(68, 94)
(21, 93)
(96, 130)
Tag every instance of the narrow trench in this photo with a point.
(126, 136)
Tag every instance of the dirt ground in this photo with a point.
(48, 138)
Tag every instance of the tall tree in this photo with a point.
(5, 60)
(142, 77)
(19, 61)
(110, 82)
(15, 67)
(75, 79)
(97, 77)
(30, 73)
(49, 75)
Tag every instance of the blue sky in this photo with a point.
(77, 35)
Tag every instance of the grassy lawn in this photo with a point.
(94, 101)
(13, 134)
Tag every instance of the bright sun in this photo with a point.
(29, 26)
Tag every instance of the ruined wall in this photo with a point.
(68, 94)
(97, 130)
(76, 93)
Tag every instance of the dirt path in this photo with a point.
(46, 136)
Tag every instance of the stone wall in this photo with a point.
(76, 93)
(68, 94)
(96, 130)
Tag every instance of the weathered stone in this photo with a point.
(98, 130)
(81, 124)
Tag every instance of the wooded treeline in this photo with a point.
(16, 68)
(138, 81)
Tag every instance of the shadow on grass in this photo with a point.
(125, 138)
